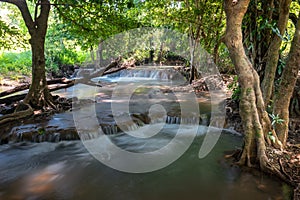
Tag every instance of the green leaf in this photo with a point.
(272, 138)
(277, 32)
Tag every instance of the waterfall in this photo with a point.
(131, 126)
(114, 129)
(203, 120)
(109, 129)
(146, 73)
(164, 74)
(157, 120)
(173, 120)
(49, 134)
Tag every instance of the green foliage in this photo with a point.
(234, 86)
(15, 63)
(203, 20)
(275, 119)
(90, 21)
(60, 46)
(13, 32)
(7, 35)
(272, 137)
(224, 62)
(248, 91)
(58, 57)
(75, 25)
(41, 131)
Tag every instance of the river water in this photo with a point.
(66, 170)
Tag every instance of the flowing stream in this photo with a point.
(65, 170)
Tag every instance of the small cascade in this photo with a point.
(115, 129)
(88, 135)
(146, 73)
(35, 134)
(158, 120)
(150, 73)
(180, 120)
(109, 129)
(188, 120)
(130, 127)
(52, 137)
(173, 120)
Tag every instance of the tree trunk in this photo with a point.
(99, 55)
(286, 87)
(273, 51)
(192, 44)
(160, 53)
(255, 120)
(38, 95)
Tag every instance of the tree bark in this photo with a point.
(192, 51)
(273, 52)
(25, 113)
(38, 95)
(287, 85)
(255, 120)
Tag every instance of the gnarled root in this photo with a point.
(22, 111)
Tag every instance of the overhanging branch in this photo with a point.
(22, 5)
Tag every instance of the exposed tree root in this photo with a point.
(283, 170)
(19, 114)
(279, 173)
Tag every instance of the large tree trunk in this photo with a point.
(255, 120)
(286, 87)
(38, 95)
(273, 51)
